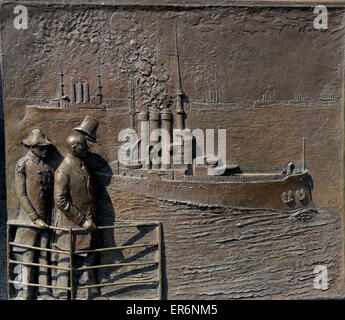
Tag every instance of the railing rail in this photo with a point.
(70, 253)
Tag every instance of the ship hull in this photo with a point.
(287, 192)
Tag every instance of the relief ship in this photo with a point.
(289, 188)
(239, 190)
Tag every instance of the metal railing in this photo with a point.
(70, 253)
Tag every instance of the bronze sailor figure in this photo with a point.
(33, 179)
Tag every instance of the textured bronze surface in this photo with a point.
(262, 72)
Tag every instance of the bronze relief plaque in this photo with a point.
(173, 150)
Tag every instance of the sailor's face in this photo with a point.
(40, 151)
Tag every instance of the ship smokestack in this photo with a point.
(166, 117)
(143, 132)
(180, 111)
(154, 126)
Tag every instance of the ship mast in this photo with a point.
(62, 99)
(62, 85)
(180, 93)
(99, 85)
(132, 111)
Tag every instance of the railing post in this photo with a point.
(71, 262)
(71, 268)
(8, 262)
(160, 269)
